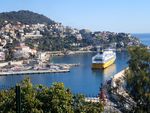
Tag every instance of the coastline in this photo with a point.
(119, 74)
(61, 53)
(118, 77)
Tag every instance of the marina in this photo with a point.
(33, 67)
(74, 56)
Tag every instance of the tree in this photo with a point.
(41, 99)
(94, 107)
(78, 103)
(29, 101)
(9, 53)
(138, 78)
(56, 99)
(81, 106)
(7, 101)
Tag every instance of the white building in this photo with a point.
(2, 56)
(23, 51)
(43, 56)
(78, 36)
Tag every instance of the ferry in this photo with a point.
(103, 59)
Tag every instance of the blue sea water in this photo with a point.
(80, 79)
(145, 38)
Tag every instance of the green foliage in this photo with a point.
(29, 102)
(40, 99)
(78, 103)
(51, 43)
(55, 99)
(7, 101)
(90, 107)
(26, 17)
(138, 78)
(80, 106)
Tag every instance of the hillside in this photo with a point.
(53, 36)
(24, 16)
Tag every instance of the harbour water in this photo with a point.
(80, 79)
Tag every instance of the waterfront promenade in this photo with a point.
(116, 76)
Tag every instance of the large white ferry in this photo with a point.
(103, 59)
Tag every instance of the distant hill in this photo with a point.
(24, 16)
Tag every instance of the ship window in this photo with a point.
(97, 59)
(101, 52)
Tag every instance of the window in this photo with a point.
(97, 59)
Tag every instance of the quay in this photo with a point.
(33, 72)
(116, 76)
(109, 105)
(119, 74)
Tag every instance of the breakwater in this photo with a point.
(119, 74)
(33, 72)
(43, 69)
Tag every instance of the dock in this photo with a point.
(33, 72)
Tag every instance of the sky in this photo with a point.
(131, 16)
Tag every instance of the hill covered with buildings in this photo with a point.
(25, 32)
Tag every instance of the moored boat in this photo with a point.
(103, 59)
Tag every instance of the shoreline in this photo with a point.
(61, 53)
(119, 93)
(119, 74)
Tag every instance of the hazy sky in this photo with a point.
(97, 15)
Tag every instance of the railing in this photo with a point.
(91, 99)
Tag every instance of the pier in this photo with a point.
(18, 68)
(33, 72)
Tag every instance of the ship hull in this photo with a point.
(103, 65)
